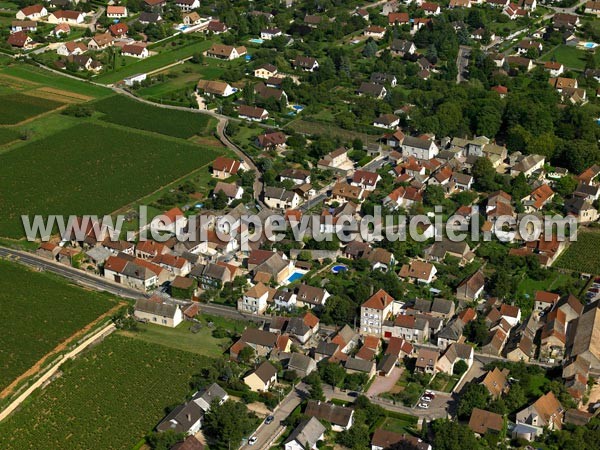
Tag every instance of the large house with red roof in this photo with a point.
(224, 167)
(374, 312)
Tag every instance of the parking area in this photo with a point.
(385, 384)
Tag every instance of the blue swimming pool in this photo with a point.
(339, 268)
(590, 45)
(256, 40)
(295, 276)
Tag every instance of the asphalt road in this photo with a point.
(267, 434)
(438, 409)
(462, 62)
(99, 283)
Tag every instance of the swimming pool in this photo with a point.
(297, 107)
(339, 268)
(256, 40)
(590, 44)
(295, 276)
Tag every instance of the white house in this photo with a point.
(419, 148)
(254, 299)
(137, 78)
(305, 436)
(187, 5)
(155, 311)
(262, 378)
(70, 17)
(116, 12)
(33, 12)
(135, 50)
(269, 33)
(280, 198)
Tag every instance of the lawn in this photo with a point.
(571, 57)
(17, 107)
(109, 398)
(163, 58)
(443, 382)
(39, 311)
(400, 423)
(582, 255)
(131, 113)
(528, 287)
(88, 169)
(181, 338)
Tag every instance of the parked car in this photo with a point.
(269, 419)
(252, 440)
(424, 405)
(352, 394)
(426, 399)
(430, 393)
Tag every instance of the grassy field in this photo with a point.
(582, 255)
(8, 135)
(571, 57)
(88, 169)
(186, 76)
(17, 107)
(162, 59)
(25, 76)
(181, 338)
(319, 128)
(39, 311)
(108, 398)
(131, 113)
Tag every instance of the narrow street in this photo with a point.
(267, 434)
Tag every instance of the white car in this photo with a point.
(252, 440)
(426, 399)
(424, 405)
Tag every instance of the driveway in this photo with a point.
(474, 372)
(385, 384)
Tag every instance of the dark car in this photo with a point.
(269, 419)
(352, 394)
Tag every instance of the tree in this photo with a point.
(332, 373)
(460, 367)
(315, 390)
(164, 440)
(476, 396)
(484, 175)
(356, 438)
(228, 423)
(370, 49)
(565, 186)
(476, 331)
(450, 435)
(246, 354)
(434, 195)
(220, 200)
(197, 58)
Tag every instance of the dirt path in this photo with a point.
(105, 331)
(59, 348)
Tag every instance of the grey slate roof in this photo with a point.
(307, 432)
(153, 307)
